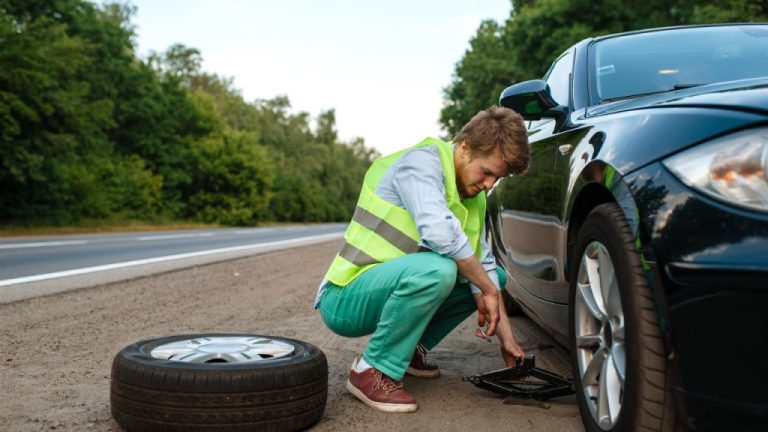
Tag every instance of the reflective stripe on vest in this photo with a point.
(386, 231)
(380, 231)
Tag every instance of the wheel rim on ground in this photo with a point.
(600, 336)
(222, 349)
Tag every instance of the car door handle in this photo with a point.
(565, 149)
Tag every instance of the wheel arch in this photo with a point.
(589, 197)
(598, 183)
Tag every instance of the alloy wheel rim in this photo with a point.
(222, 349)
(600, 336)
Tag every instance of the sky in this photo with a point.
(382, 65)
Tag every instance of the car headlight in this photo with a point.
(732, 168)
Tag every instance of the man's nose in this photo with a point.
(488, 183)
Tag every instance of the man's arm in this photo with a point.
(488, 299)
(488, 261)
(510, 350)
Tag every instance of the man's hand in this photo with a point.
(511, 353)
(488, 312)
(488, 302)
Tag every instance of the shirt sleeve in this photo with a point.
(489, 264)
(418, 181)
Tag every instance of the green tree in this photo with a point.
(51, 130)
(484, 71)
(232, 182)
(179, 61)
(88, 131)
(135, 192)
(317, 177)
(539, 30)
(730, 11)
(325, 132)
(83, 122)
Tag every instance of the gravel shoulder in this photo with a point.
(56, 351)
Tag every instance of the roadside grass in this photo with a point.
(100, 226)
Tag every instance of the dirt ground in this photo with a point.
(56, 351)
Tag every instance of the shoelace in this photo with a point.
(421, 357)
(423, 351)
(386, 383)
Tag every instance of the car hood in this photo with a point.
(743, 95)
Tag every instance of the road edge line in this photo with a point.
(22, 288)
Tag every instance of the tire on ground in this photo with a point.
(647, 399)
(276, 394)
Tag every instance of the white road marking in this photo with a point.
(172, 236)
(85, 270)
(42, 244)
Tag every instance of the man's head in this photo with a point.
(493, 144)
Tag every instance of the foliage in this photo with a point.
(539, 30)
(52, 127)
(480, 76)
(88, 131)
(232, 179)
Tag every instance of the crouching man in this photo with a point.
(415, 263)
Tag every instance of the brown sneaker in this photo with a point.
(419, 366)
(379, 391)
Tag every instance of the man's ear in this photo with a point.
(464, 149)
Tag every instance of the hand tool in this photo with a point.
(525, 380)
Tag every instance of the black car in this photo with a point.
(639, 236)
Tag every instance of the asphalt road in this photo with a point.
(33, 256)
(31, 267)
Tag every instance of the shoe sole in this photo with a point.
(423, 373)
(381, 406)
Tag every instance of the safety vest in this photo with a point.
(380, 231)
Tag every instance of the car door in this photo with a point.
(531, 206)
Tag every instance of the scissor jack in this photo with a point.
(524, 380)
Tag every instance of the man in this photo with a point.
(414, 241)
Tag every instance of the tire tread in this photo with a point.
(156, 395)
(655, 411)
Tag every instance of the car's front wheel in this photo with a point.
(618, 354)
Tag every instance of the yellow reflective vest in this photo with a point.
(380, 231)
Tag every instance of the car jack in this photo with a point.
(524, 381)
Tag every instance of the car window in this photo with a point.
(559, 78)
(660, 61)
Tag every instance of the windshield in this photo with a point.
(653, 62)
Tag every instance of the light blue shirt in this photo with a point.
(416, 183)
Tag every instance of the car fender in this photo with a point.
(599, 182)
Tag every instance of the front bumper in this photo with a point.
(711, 263)
(719, 357)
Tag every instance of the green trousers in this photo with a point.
(412, 299)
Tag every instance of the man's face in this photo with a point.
(477, 174)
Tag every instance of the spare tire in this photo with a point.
(221, 382)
